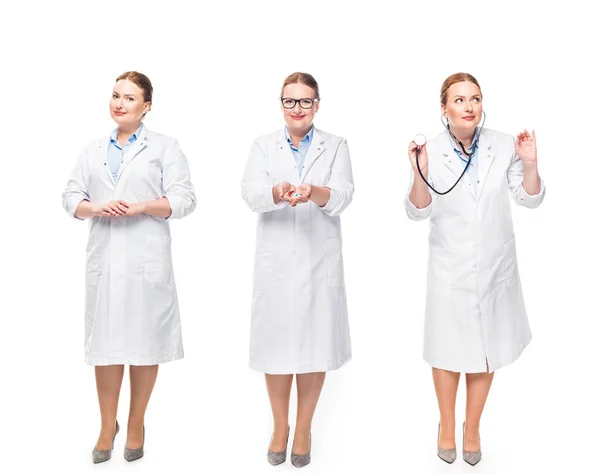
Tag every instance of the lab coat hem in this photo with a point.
(266, 369)
(515, 356)
(101, 361)
(475, 368)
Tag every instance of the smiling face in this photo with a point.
(127, 106)
(299, 120)
(463, 107)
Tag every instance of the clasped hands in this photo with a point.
(119, 208)
(291, 194)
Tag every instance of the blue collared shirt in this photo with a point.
(116, 153)
(302, 150)
(473, 171)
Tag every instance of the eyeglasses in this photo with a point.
(289, 103)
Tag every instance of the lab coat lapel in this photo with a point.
(287, 157)
(317, 147)
(455, 164)
(137, 147)
(485, 156)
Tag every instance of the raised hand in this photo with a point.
(526, 148)
(423, 158)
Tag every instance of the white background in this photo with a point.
(217, 72)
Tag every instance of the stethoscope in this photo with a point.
(420, 140)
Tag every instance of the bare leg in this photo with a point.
(309, 389)
(446, 386)
(279, 388)
(478, 387)
(142, 379)
(108, 385)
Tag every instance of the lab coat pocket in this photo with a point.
(157, 259)
(511, 271)
(335, 264)
(263, 266)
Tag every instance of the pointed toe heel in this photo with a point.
(137, 453)
(447, 455)
(103, 455)
(301, 460)
(470, 457)
(278, 457)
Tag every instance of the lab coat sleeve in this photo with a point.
(76, 189)
(177, 187)
(257, 184)
(412, 211)
(341, 182)
(515, 184)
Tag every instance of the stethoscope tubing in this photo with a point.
(470, 155)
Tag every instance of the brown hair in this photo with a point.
(302, 78)
(453, 79)
(140, 80)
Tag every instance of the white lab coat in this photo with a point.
(131, 309)
(299, 315)
(475, 310)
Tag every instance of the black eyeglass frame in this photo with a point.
(297, 101)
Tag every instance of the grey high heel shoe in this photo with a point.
(276, 458)
(137, 453)
(448, 455)
(102, 455)
(301, 460)
(470, 457)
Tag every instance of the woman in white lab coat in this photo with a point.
(128, 185)
(475, 317)
(298, 180)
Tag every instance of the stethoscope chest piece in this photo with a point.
(420, 140)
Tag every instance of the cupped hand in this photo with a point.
(281, 190)
(303, 193)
